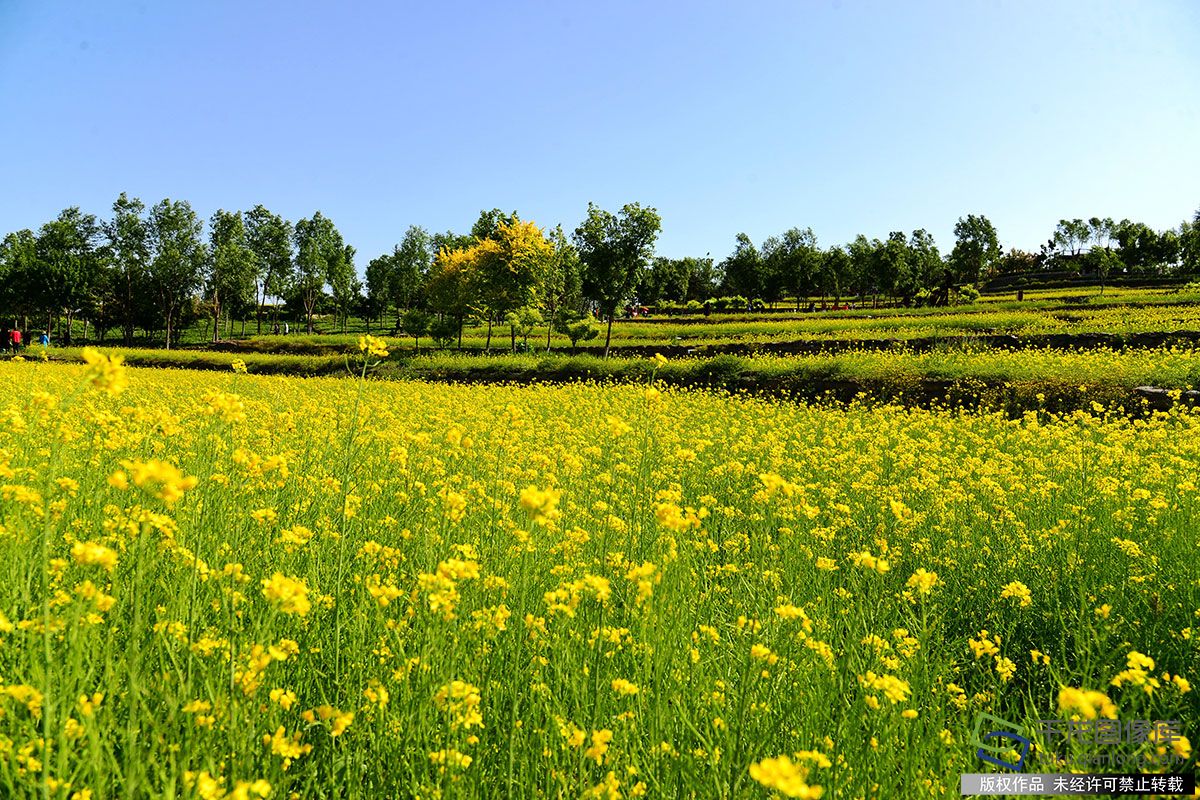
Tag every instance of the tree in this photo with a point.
(976, 251)
(320, 253)
(563, 281)
(231, 266)
(18, 270)
(510, 270)
(862, 266)
(410, 264)
(129, 250)
(1102, 231)
(743, 269)
(68, 264)
(415, 323)
(666, 281)
(1102, 261)
(792, 263)
(614, 250)
(1072, 235)
(177, 258)
(489, 222)
(1016, 262)
(924, 260)
(343, 280)
(576, 327)
(450, 283)
(521, 323)
(269, 237)
(379, 288)
(704, 278)
(896, 276)
(833, 273)
(1189, 245)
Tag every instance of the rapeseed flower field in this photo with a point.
(230, 586)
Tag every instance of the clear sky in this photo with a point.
(844, 116)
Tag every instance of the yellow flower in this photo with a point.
(93, 553)
(373, 346)
(1087, 704)
(659, 360)
(461, 701)
(599, 746)
(107, 373)
(289, 595)
(160, 479)
(785, 777)
(1019, 592)
(624, 687)
(922, 581)
(541, 504)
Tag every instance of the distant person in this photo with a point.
(275, 330)
(286, 329)
(44, 339)
(14, 339)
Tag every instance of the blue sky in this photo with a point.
(844, 116)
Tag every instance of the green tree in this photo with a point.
(1072, 235)
(742, 269)
(976, 251)
(614, 249)
(576, 327)
(862, 266)
(269, 237)
(415, 323)
(18, 274)
(410, 261)
(69, 265)
(320, 253)
(177, 259)
(489, 223)
(562, 283)
(343, 281)
(666, 281)
(833, 273)
(379, 288)
(231, 266)
(896, 277)
(1102, 261)
(1189, 245)
(792, 263)
(925, 262)
(128, 245)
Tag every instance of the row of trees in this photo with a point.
(910, 267)
(157, 269)
(149, 268)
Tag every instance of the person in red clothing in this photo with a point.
(14, 339)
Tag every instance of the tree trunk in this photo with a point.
(549, 329)
(608, 336)
(487, 347)
(513, 333)
(168, 329)
(460, 329)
